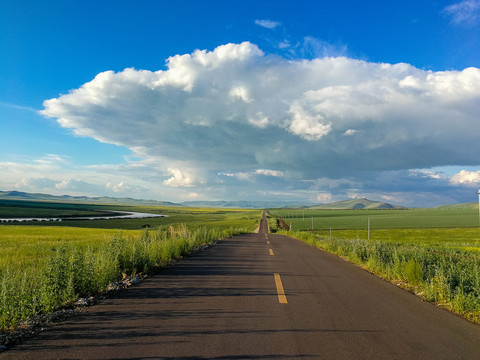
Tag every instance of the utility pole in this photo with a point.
(369, 228)
(478, 207)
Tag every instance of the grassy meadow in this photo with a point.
(379, 219)
(432, 252)
(45, 265)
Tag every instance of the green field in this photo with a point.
(45, 265)
(31, 242)
(379, 219)
(25, 209)
(221, 218)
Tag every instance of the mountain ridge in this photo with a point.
(18, 195)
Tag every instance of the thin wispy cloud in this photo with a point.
(466, 12)
(17, 107)
(268, 24)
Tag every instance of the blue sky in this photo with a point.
(274, 100)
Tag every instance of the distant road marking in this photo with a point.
(282, 299)
(270, 251)
(268, 242)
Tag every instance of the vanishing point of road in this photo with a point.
(259, 296)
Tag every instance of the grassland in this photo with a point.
(379, 219)
(432, 252)
(43, 267)
(26, 209)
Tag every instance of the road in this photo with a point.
(259, 296)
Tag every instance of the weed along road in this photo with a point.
(259, 296)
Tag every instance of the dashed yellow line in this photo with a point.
(282, 299)
(270, 251)
(268, 242)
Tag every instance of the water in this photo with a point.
(121, 215)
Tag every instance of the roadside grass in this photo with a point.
(77, 269)
(46, 267)
(24, 246)
(432, 263)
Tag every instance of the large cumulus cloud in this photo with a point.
(238, 109)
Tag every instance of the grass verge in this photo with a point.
(72, 270)
(447, 276)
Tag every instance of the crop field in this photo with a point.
(432, 252)
(45, 265)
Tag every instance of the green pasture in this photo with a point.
(194, 217)
(28, 243)
(379, 219)
(24, 246)
(25, 209)
(46, 265)
(464, 239)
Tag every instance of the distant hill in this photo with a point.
(17, 195)
(356, 204)
(240, 204)
(466, 206)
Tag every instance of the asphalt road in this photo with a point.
(259, 296)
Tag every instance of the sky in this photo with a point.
(299, 101)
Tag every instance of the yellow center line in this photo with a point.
(282, 299)
(270, 251)
(268, 242)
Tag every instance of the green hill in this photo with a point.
(356, 204)
(466, 206)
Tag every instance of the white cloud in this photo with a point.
(426, 174)
(324, 198)
(239, 92)
(464, 177)
(350, 132)
(316, 48)
(259, 120)
(267, 172)
(307, 125)
(252, 176)
(180, 177)
(268, 24)
(53, 159)
(228, 111)
(465, 12)
(51, 174)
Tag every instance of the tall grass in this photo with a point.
(444, 275)
(73, 271)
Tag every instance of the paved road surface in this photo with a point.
(259, 296)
